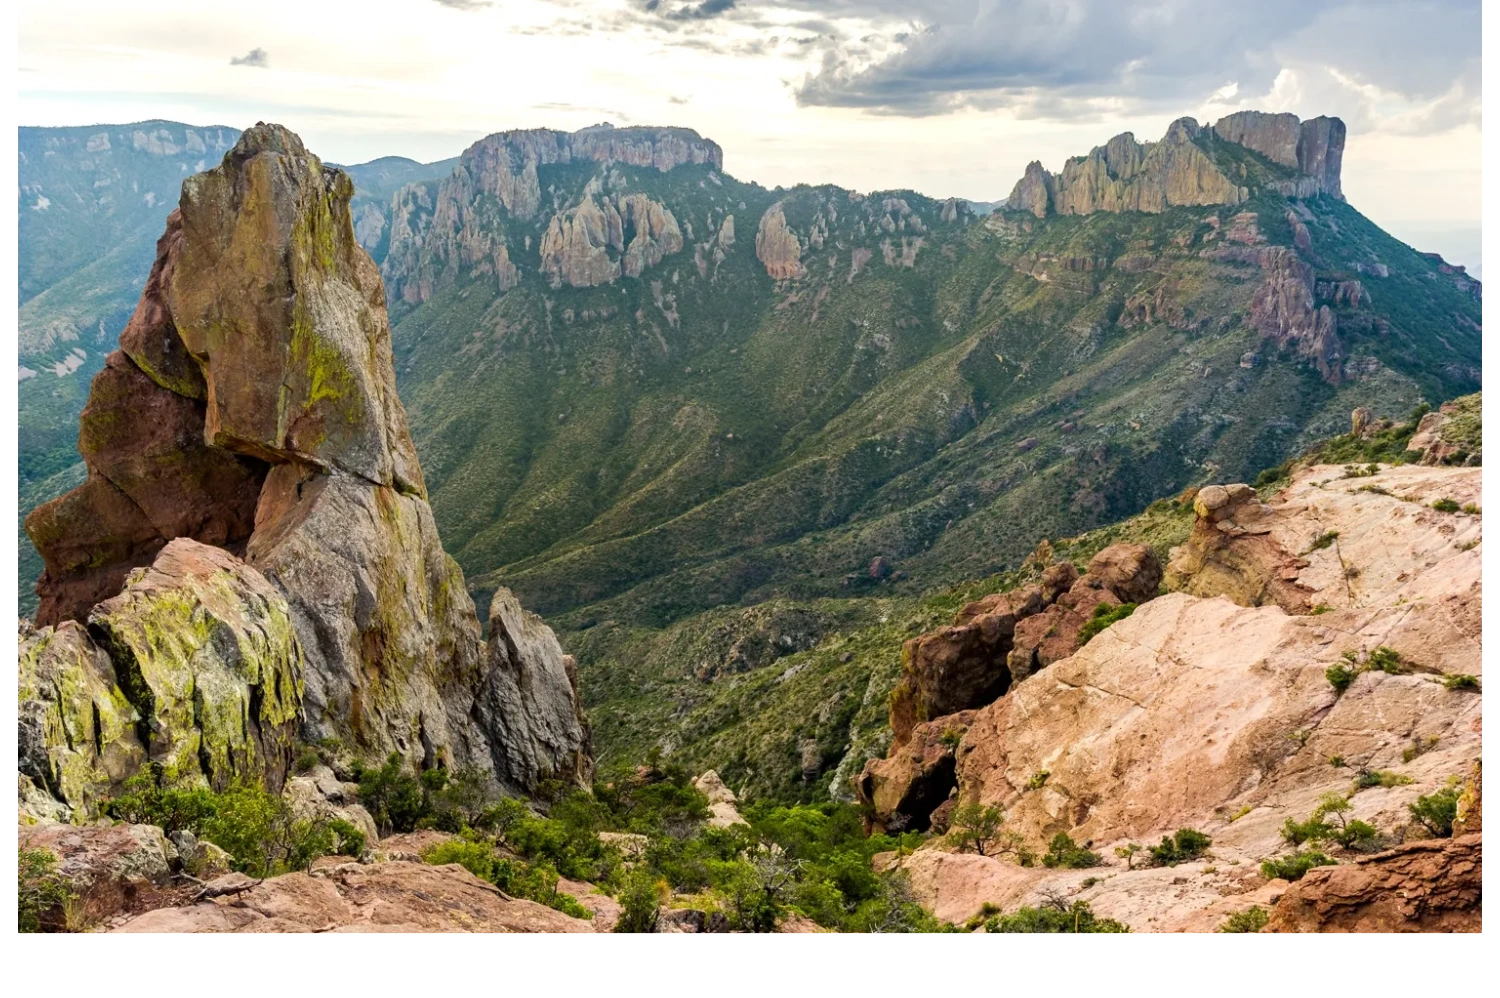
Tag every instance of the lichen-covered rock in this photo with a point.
(528, 703)
(204, 650)
(253, 407)
(77, 729)
(777, 246)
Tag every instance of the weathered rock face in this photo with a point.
(902, 791)
(1452, 434)
(777, 246)
(1284, 311)
(1005, 637)
(1125, 175)
(437, 234)
(253, 407)
(110, 867)
(78, 732)
(530, 692)
(1430, 886)
(594, 243)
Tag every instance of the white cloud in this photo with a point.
(424, 78)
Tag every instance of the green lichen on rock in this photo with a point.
(205, 651)
(78, 731)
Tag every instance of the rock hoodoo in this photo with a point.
(596, 242)
(250, 467)
(777, 247)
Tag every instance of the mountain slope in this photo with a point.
(882, 375)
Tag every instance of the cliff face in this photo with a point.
(459, 225)
(586, 245)
(253, 407)
(1184, 168)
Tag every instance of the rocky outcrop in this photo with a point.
(777, 247)
(903, 791)
(264, 322)
(111, 868)
(530, 692)
(351, 897)
(1451, 435)
(1005, 637)
(1430, 886)
(440, 231)
(1218, 714)
(1033, 192)
(597, 242)
(722, 802)
(1283, 310)
(194, 667)
(1182, 169)
(1314, 148)
(1297, 552)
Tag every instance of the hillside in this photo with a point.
(679, 394)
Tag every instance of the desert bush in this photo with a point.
(1252, 919)
(1184, 845)
(1295, 865)
(1436, 811)
(40, 889)
(1063, 853)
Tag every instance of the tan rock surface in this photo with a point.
(777, 246)
(381, 897)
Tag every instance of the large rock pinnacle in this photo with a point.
(253, 407)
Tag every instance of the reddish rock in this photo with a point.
(1428, 886)
(902, 791)
(1131, 571)
(112, 868)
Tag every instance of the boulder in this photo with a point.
(1433, 885)
(1131, 572)
(111, 868)
(902, 791)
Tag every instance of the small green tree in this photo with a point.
(1127, 853)
(1436, 811)
(974, 825)
(1295, 865)
(1064, 853)
(1184, 845)
(641, 899)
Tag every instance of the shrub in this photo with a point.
(951, 738)
(974, 825)
(1367, 778)
(1038, 779)
(641, 900)
(1323, 540)
(1446, 505)
(1340, 676)
(1104, 615)
(146, 803)
(40, 889)
(1461, 681)
(306, 760)
(1436, 811)
(1387, 660)
(1184, 845)
(1295, 865)
(1252, 919)
(1063, 853)
(1127, 853)
(477, 857)
(395, 798)
(1060, 917)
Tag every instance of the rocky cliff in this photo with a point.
(1211, 707)
(1191, 166)
(463, 224)
(249, 463)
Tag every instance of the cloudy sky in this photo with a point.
(950, 97)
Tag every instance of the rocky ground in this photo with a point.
(1210, 708)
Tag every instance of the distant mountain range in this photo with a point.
(642, 389)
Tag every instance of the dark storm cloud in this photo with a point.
(257, 58)
(1018, 53)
